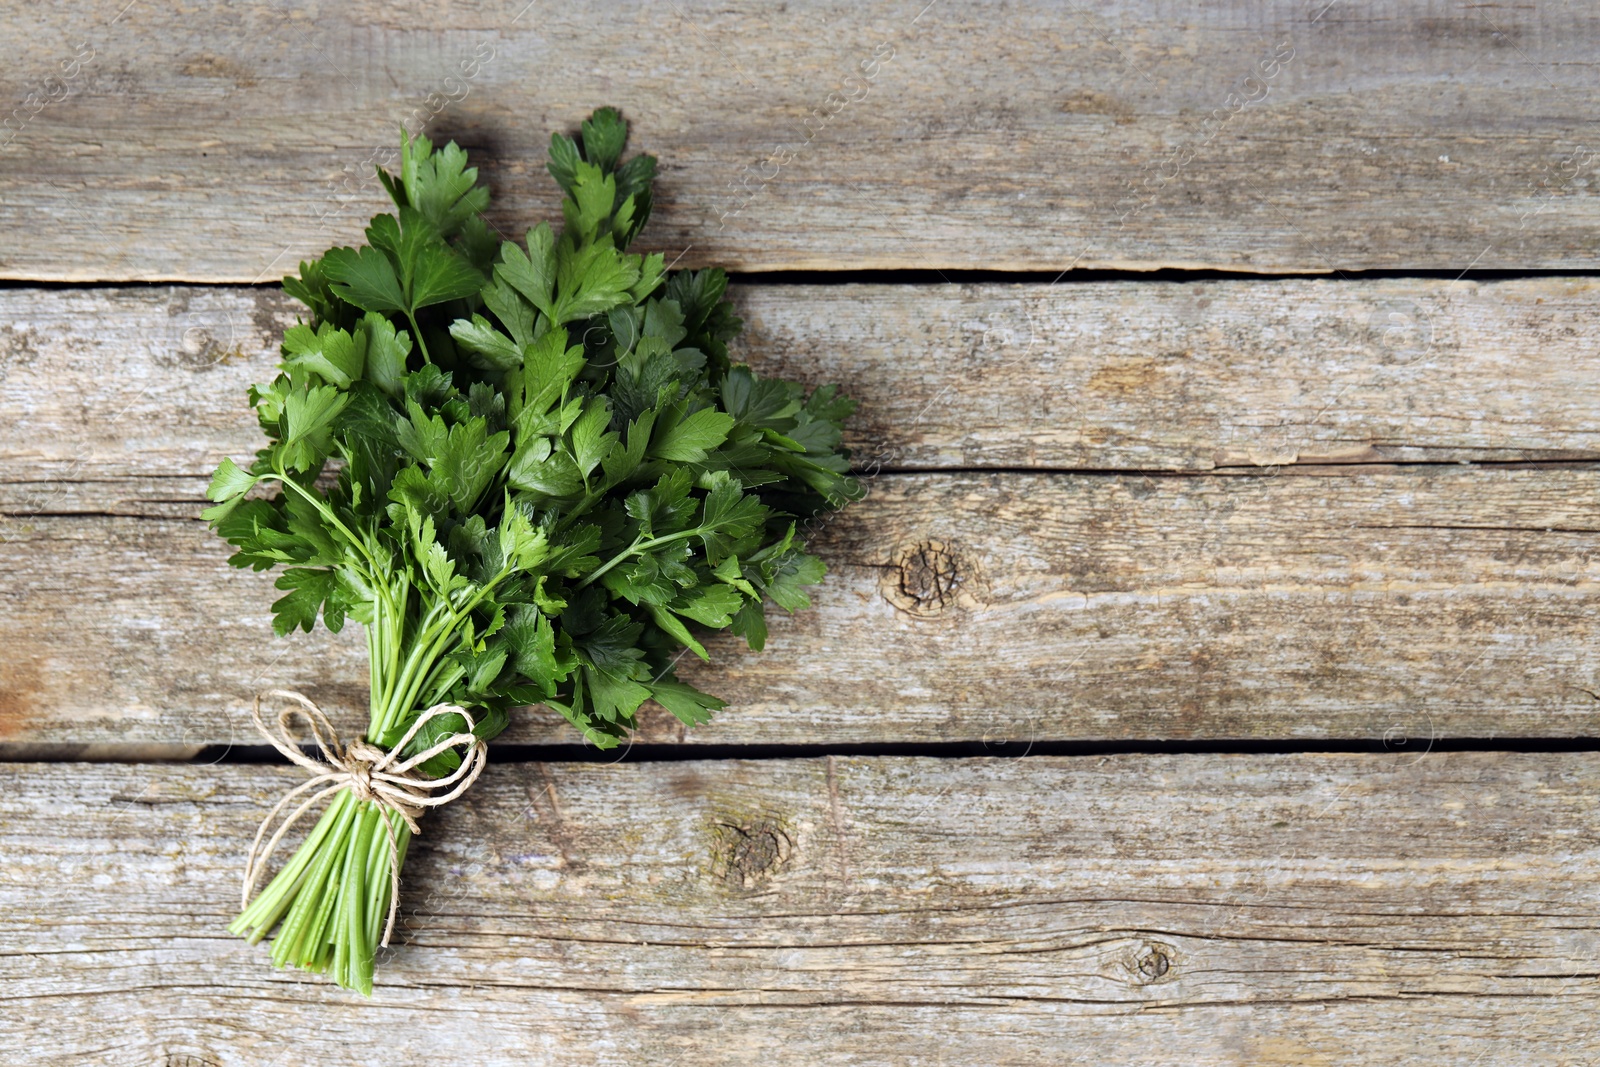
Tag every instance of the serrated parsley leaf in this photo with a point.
(364, 277)
(308, 591)
(229, 482)
(710, 605)
(688, 438)
(592, 279)
(590, 440)
(691, 706)
(478, 335)
(309, 414)
(432, 271)
(532, 273)
(440, 185)
(329, 352)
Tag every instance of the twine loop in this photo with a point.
(370, 773)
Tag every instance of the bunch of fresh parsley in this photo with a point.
(530, 470)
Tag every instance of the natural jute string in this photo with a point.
(367, 771)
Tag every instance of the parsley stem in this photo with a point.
(416, 331)
(372, 576)
(385, 637)
(589, 500)
(327, 513)
(433, 643)
(383, 641)
(636, 548)
(400, 691)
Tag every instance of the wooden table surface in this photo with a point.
(1209, 677)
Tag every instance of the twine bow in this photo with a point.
(369, 772)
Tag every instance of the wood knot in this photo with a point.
(929, 578)
(1153, 962)
(200, 338)
(1401, 331)
(748, 853)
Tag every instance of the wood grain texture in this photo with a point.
(193, 143)
(1292, 910)
(123, 400)
(998, 608)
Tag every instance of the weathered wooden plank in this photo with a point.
(124, 400)
(1153, 910)
(1001, 608)
(155, 142)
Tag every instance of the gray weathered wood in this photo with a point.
(1263, 910)
(122, 399)
(997, 608)
(222, 144)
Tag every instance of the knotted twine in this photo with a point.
(369, 772)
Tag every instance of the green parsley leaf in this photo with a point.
(689, 438)
(364, 277)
